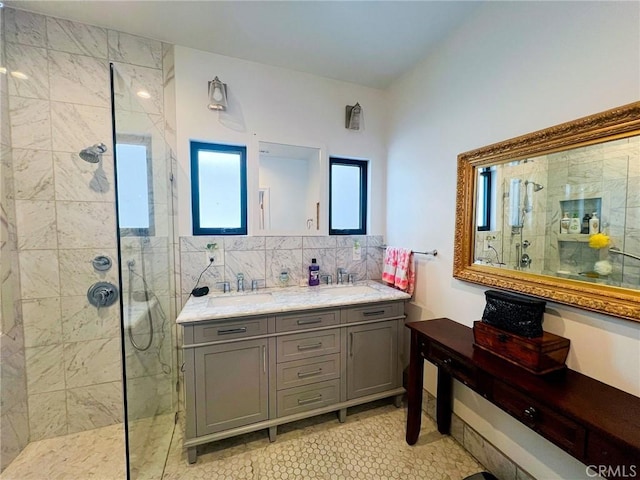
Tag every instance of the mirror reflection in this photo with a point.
(290, 186)
(571, 214)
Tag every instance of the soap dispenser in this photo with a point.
(314, 273)
(594, 224)
(574, 226)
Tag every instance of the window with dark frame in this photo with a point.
(484, 199)
(135, 185)
(218, 189)
(347, 196)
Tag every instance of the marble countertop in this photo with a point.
(278, 300)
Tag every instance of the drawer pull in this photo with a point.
(447, 361)
(310, 347)
(230, 331)
(375, 312)
(309, 321)
(307, 401)
(531, 413)
(309, 374)
(264, 359)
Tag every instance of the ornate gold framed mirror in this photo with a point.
(556, 213)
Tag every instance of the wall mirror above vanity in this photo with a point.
(292, 182)
(556, 213)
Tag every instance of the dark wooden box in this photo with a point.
(539, 355)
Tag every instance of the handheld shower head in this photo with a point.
(93, 154)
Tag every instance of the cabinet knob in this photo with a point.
(531, 413)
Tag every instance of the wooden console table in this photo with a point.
(594, 422)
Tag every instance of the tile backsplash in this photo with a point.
(264, 258)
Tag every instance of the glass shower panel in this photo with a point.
(145, 232)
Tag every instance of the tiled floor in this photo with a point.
(370, 445)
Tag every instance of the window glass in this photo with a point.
(133, 157)
(348, 197)
(218, 183)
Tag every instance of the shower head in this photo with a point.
(93, 154)
(536, 186)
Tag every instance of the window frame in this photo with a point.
(144, 140)
(484, 218)
(195, 148)
(363, 166)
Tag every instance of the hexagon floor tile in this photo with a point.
(370, 445)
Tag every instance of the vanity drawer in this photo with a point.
(308, 397)
(308, 370)
(306, 345)
(373, 312)
(456, 366)
(229, 329)
(297, 321)
(561, 430)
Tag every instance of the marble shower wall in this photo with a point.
(609, 172)
(534, 222)
(65, 210)
(263, 258)
(147, 261)
(14, 420)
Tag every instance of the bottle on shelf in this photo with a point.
(585, 223)
(574, 225)
(564, 223)
(594, 223)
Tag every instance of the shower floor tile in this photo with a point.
(94, 454)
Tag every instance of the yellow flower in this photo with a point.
(599, 240)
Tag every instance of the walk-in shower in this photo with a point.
(93, 154)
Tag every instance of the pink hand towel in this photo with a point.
(390, 265)
(405, 273)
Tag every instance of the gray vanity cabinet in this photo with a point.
(231, 385)
(257, 372)
(372, 358)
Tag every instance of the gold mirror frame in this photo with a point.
(615, 123)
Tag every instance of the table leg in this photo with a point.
(444, 401)
(414, 391)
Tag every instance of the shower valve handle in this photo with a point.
(102, 294)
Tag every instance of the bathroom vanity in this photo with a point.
(257, 360)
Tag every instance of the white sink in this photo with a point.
(347, 290)
(239, 300)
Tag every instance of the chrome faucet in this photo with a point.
(254, 284)
(340, 275)
(328, 279)
(240, 280)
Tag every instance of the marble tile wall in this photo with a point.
(65, 210)
(534, 221)
(264, 258)
(610, 174)
(14, 422)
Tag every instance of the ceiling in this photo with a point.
(370, 43)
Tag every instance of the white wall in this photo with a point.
(512, 69)
(275, 105)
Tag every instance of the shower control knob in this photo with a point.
(102, 294)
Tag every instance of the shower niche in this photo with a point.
(584, 209)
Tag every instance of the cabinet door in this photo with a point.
(372, 358)
(231, 383)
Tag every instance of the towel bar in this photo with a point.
(432, 252)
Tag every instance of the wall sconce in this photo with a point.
(353, 116)
(217, 95)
